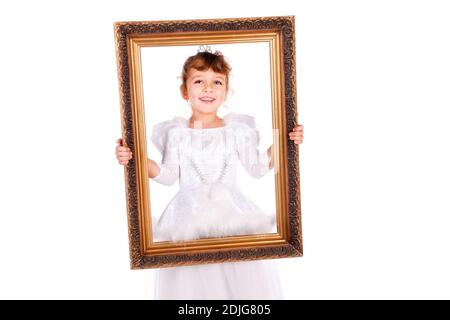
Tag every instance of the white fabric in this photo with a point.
(190, 148)
(210, 204)
(246, 280)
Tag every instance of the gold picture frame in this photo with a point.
(279, 34)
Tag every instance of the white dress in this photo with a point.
(208, 204)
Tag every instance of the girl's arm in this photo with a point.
(166, 173)
(269, 154)
(124, 155)
(153, 168)
(296, 135)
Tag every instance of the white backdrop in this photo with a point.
(249, 94)
(373, 89)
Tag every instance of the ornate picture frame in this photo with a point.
(278, 33)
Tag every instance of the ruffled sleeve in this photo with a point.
(165, 137)
(255, 162)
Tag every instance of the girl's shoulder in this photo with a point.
(244, 128)
(240, 121)
(162, 131)
(175, 122)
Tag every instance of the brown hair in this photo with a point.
(204, 61)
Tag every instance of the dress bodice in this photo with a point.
(207, 156)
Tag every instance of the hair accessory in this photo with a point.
(207, 48)
(204, 48)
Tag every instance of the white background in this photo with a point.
(249, 93)
(373, 90)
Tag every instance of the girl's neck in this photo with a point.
(205, 121)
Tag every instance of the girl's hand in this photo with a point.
(297, 134)
(123, 154)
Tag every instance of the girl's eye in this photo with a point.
(198, 81)
(219, 82)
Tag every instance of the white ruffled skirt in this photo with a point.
(211, 211)
(224, 211)
(246, 280)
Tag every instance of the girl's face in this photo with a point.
(206, 90)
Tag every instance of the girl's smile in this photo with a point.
(206, 99)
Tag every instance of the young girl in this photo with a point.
(202, 152)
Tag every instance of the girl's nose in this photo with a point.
(208, 87)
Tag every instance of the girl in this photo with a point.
(202, 153)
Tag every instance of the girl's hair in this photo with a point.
(204, 61)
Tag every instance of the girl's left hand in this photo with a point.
(297, 134)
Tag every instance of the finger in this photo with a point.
(298, 128)
(296, 134)
(124, 153)
(123, 149)
(296, 137)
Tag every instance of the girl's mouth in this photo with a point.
(206, 99)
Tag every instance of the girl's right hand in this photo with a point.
(123, 154)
